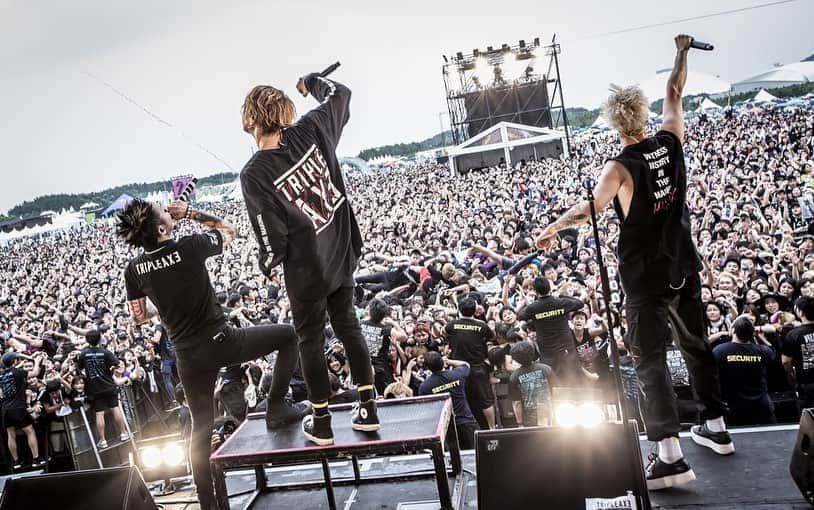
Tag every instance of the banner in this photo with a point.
(178, 185)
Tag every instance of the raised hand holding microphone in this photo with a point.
(301, 82)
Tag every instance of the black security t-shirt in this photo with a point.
(531, 386)
(377, 337)
(175, 279)
(549, 316)
(12, 385)
(742, 370)
(97, 362)
(453, 382)
(799, 346)
(468, 338)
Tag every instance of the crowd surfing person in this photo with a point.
(749, 190)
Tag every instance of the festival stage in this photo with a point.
(755, 477)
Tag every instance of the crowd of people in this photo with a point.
(450, 288)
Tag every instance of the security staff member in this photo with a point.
(452, 381)
(742, 366)
(172, 273)
(555, 341)
(469, 340)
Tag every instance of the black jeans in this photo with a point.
(649, 321)
(309, 321)
(198, 369)
(374, 282)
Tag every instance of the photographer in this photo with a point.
(14, 405)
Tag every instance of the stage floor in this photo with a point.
(755, 477)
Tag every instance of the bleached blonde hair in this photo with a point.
(626, 110)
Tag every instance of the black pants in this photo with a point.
(649, 319)
(309, 321)
(198, 368)
(374, 282)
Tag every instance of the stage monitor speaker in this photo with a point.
(560, 468)
(802, 458)
(120, 488)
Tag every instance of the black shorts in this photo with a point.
(102, 401)
(17, 417)
(479, 389)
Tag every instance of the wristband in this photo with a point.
(187, 211)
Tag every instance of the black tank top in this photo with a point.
(655, 248)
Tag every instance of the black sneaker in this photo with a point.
(38, 463)
(317, 429)
(282, 413)
(364, 417)
(718, 442)
(661, 475)
(17, 467)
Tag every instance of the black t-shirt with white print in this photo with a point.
(377, 337)
(799, 346)
(97, 362)
(12, 386)
(297, 203)
(175, 278)
(655, 246)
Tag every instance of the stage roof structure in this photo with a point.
(505, 137)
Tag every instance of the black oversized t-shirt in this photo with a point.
(655, 243)
(97, 362)
(297, 204)
(468, 338)
(742, 370)
(175, 278)
(377, 337)
(453, 382)
(549, 316)
(799, 346)
(12, 386)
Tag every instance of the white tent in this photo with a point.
(708, 104)
(655, 87)
(600, 122)
(507, 141)
(780, 76)
(763, 97)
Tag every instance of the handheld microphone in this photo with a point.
(698, 45)
(331, 68)
(188, 190)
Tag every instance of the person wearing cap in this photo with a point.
(14, 406)
(98, 364)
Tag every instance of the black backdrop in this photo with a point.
(522, 104)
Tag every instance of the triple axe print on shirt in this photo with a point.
(308, 185)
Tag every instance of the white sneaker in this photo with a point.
(124, 437)
(101, 444)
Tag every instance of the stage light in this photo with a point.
(583, 414)
(513, 67)
(522, 43)
(482, 71)
(537, 41)
(173, 454)
(459, 56)
(151, 457)
(475, 53)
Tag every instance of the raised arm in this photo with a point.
(673, 110)
(179, 210)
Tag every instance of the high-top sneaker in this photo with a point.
(364, 417)
(317, 429)
(280, 414)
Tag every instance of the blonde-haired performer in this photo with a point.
(299, 210)
(658, 266)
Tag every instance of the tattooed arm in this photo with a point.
(614, 176)
(179, 210)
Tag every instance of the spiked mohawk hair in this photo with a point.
(138, 224)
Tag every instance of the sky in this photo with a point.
(191, 63)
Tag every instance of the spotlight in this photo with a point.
(151, 457)
(475, 53)
(537, 41)
(481, 69)
(489, 49)
(522, 43)
(513, 67)
(582, 414)
(459, 56)
(505, 47)
(173, 454)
